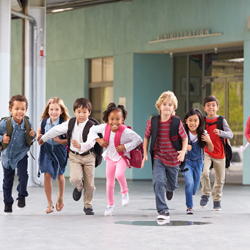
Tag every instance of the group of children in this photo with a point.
(191, 148)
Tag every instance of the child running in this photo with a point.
(114, 117)
(53, 153)
(198, 139)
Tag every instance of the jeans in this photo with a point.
(9, 179)
(159, 172)
(192, 179)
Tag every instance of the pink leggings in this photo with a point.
(115, 169)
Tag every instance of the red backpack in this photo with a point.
(135, 154)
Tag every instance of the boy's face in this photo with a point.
(167, 107)
(81, 114)
(211, 108)
(18, 111)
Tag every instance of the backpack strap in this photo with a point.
(118, 135)
(29, 139)
(86, 129)
(174, 133)
(220, 122)
(70, 129)
(154, 131)
(107, 133)
(43, 123)
(9, 130)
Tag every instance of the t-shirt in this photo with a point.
(163, 148)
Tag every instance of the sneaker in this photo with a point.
(8, 209)
(169, 195)
(21, 203)
(217, 206)
(190, 211)
(109, 210)
(163, 216)
(125, 199)
(76, 194)
(204, 200)
(88, 211)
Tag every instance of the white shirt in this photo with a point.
(193, 138)
(129, 138)
(76, 135)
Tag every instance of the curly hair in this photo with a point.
(18, 98)
(59, 101)
(111, 107)
(169, 96)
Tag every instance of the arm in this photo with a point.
(60, 141)
(55, 131)
(39, 134)
(210, 145)
(3, 135)
(227, 133)
(182, 153)
(145, 149)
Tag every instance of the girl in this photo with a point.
(53, 153)
(114, 116)
(198, 139)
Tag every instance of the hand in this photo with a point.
(40, 142)
(189, 147)
(6, 139)
(181, 155)
(56, 139)
(76, 144)
(205, 137)
(39, 137)
(102, 143)
(217, 131)
(145, 158)
(120, 148)
(31, 133)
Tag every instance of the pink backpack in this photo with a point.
(135, 154)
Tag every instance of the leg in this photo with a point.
(75, 171)
(8, 185)
(159, 172)
(205, 181)
(22, 177)
(197, 175)
(47, 185)
(89, 181)
(120, 175)
(219, 168)
(172, 178)
(110, 180)
(189, 186)
(61, 185)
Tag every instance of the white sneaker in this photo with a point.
(125, 199)
(109, 210)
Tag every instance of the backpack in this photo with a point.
(225, 142)
(174, 137)
(136, 154)
(9, 130)
(97, 149)
(43, 124)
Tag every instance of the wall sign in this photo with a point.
(184, 35)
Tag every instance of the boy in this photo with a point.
(80, 162)
(166, 158)
(15, 151)
(217, 157)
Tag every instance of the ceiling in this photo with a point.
(63, 5)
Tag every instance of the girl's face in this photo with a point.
(167, 108)
(115, 119)
(54, 112)
(193, 123)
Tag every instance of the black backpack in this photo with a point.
(174, 137)
(225, 142)
(97, 149)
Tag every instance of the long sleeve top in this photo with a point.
(247, 130)
(17, 147)
(129, 138)
(76, 135)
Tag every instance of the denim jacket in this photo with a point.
(17, 147)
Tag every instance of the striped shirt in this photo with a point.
(163, 149)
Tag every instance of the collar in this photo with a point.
(56, 122)
(14, 124)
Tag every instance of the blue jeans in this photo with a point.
(192, 179)
(159, 172)
(9, 179)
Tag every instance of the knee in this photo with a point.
(74, 181)
(47, 176)
(60, 177)
(205, 174)
(158, 182)
(120, 176)
(189, 186)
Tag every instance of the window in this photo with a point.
(101, 76)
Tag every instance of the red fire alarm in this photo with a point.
(41, 55)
